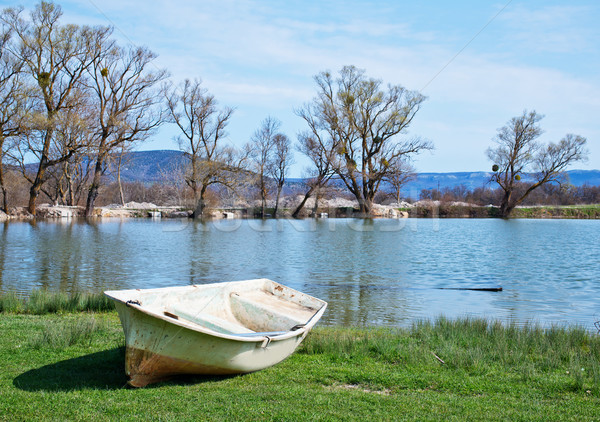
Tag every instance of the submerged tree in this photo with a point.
(362, 122)
(203, 130)
(518, 152)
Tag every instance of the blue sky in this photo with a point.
(260, 58)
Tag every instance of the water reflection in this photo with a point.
(370, 271)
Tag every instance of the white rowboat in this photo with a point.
(221, 328)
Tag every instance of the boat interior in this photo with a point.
(249, 308)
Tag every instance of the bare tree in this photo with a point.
(121, 156)
(362, 123)
(77, 176)
(315, 148)
(173, 176)
(12, 104)
(260, 151)
(280, 162)
(55, 57)
(70, 137)
(401, 173)
(202, 125)
(67, 181)
(127, 103)
(518, 152)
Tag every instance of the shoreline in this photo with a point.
(429, 210)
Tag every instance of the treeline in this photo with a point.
(172, 191)
(548, 194)
(74, 101)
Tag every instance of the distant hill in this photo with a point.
(152, 166)
(472, 180)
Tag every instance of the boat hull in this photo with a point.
(159, 347)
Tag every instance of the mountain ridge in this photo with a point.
(157, 166)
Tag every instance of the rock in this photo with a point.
(20, 213)
(120, 212)
(177, 214)
(59, 211)
(3, 216)
(141, 206)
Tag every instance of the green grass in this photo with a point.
(548, 211)
(70, 367)
(42, 302)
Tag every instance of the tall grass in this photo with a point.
(42, 302)
(473, 346)
(61, 335)
(11, 303)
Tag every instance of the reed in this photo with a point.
(41, 302)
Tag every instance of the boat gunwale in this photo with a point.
(204, 330)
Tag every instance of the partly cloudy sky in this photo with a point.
(478, 62)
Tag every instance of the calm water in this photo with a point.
(385, 272)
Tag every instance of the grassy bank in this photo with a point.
(70, 366)
(575, 211)
(465, 211)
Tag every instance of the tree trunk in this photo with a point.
(263, 197)
(505, 206)
(200, 204)
(36, 186)
(93, 193)
(317, 197)
(121, 196)
(4, 190)
(365, 207)
(4, 200)
(298, 209)
(33, 194)
(279, 188)
(70, 190)
(61, 194)
(95, 186)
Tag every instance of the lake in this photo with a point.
(372, 272)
